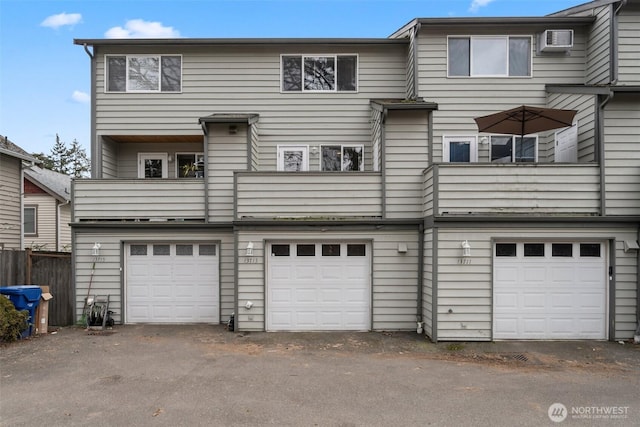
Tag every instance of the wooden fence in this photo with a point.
(51, 269)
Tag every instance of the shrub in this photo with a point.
(12, 321)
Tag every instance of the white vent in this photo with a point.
(556, 40)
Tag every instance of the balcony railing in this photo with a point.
(308, 195)
(515, 189)
(138, 199)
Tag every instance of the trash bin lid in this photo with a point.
(29, 292)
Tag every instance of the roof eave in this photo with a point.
(236, 41)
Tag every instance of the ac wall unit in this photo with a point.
(556, 41)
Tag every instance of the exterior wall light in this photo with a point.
(466, 249)
(249, 249)
(95, 251)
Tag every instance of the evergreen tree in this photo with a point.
(71, 161)
(80, 163)
(60, 157)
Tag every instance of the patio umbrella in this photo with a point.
(524, 120)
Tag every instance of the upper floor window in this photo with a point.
(489, 56)
(462, 149)
(342, 158)
(30, 220)
(143, 73)
(152, 165)
(319, 73)
(190, 165)
(507, 149)
(293, 158)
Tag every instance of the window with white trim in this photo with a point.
(319, 73)
(514, 149)
(345, 158)
(461, 149)
(152, 165)
(293, 158)
(143, 73)
(489, 56)
(30, 220)
(190, 165)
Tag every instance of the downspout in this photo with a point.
(420, 323)
(416, 80)
(600, 152)
(383, 162)
(59, 226)
(613, 44)
(636, 336)
(96, 166)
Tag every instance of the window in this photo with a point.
(306, 250)
(590, 250)
(506, 249)
(462, 149)
(190, 165)
(331, 250)
(152, 165)
(534, 249)
(30, 220)
(356, 250)
(143, 73)
(507, 149)
(207, 250)
(184, 250)
(280, 250)
(161, 250)
(342, 158)
(293, 158)
(564, 250)
(319, 73)
(489, 56)
(138, 250)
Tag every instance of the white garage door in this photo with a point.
(549, 291)
(318, 286)
(172, 283)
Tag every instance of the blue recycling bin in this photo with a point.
(25, 297)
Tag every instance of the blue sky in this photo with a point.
(44, 77)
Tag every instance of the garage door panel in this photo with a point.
(536, 274)
(550, 297)
(533, 301)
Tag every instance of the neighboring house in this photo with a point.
(342, 184)
(12, 165)
(47, 210)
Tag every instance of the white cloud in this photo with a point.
(477, 4)
(140, 29)
(61, 19)
(81, 97)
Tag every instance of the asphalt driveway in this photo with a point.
(204, 375)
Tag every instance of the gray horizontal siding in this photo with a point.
(46, 222)
(461, 99)
(138, 199)
(622, 157)
(394, 276)
(599, 48)
(516, 189)
(242, 79)
(10, 207)
(308, 195)
(465, 290)
(406, 156)
(629, 46)
(427, 290)
(585, 105)
(107, 279)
